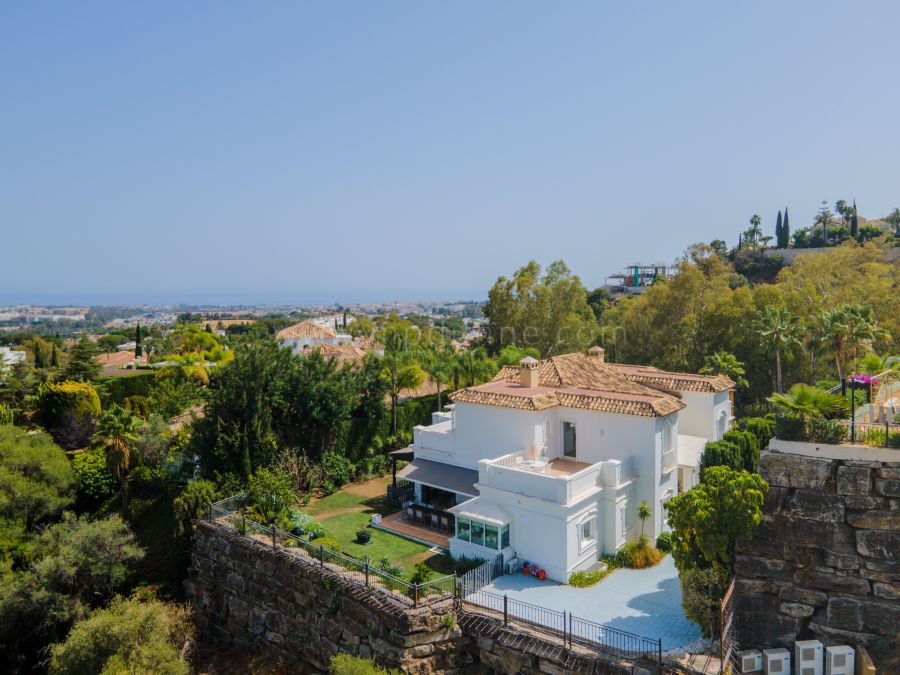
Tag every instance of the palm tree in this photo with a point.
(400, 367)
(116, 435)
(894, 219)
(849, 330)
(476, 366)
(723, 363)
(435, 363)
(804, 401)
(643, 513)
(823, 217)
(872, 364)
(781, 329)
(843, 209)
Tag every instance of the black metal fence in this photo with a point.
(469, 589)
(835, 432)
(566, 627)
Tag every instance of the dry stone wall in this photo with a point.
(825, 561)
(249, 595)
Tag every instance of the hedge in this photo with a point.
(117, 389)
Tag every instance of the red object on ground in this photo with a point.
(542, 575)
(526, 570)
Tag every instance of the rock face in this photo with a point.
(250, 595)
(825, 561)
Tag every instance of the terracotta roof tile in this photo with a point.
(304, 329)
(674, 381)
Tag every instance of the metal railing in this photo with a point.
(835, 432)
(566, 627)
(469, 589)
(230, 513)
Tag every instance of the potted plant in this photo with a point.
(363, 536)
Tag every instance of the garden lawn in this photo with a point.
(350, 508)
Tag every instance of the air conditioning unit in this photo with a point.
(751, 661)
(840, 660)
(776, 661)
(807, 657)
(512, 566)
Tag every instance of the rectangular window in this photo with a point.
(462, 529)
(587, 530)
(477, 533)
(504, 536)
(568, 439)
(490, 536)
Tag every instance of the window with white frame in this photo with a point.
(487, 535)
(670, 454)
(587, 532)
(625, 517)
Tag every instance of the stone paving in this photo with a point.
(644, 602)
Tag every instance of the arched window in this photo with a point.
(721, 425)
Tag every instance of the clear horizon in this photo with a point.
(297, 153)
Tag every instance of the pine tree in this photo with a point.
(779, 235)
(138, 348)
(786, 229)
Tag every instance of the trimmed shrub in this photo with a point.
(665, 542)
(363, 536)
(585, 579)
(721, 453)
(93, 480)
(637, 555)
(117, 389)
(749, 447)
(68, 410)
(761, 427)
(344, 664)
(701, 595)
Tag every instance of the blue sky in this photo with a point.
(359, 151)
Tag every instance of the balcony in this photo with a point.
(557, 480)
(438, 437)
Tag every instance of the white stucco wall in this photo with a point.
(702, 412)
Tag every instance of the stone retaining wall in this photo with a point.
(825, 561)
(248, 595)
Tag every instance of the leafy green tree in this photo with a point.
(548, 311)
(804, 402)
(248, 400)
(36, 479)
(599, 299)
(721, 453)
(193, 505)
(434, 363)
(92, 477)
(780, 329)
(753, 234)
(475, 366)
(76, 564)
(68, 411)
(116, 436)
(872, 364)
(129, 636)
(271, 493)
(361, 326)
(511, 355)
(82, 363)
(709, 518)
(894, 219)
(723, 363)
(702, 590)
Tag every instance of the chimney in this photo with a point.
(528, 372)
(597, 353)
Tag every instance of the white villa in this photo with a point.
(548, 461)
(309, 334)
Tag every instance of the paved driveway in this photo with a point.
(644, 602)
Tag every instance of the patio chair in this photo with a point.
(409, 513)
(434, 520)
(445, 523)
(419, 516)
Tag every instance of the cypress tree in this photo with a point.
(38, 356)
(54, 357)
(138, 349)
(854, 223)
(786, 229)
(779, 235)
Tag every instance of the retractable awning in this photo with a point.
(477, 509)
(441, 476)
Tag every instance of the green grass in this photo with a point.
(341, 500)
(400, 551)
